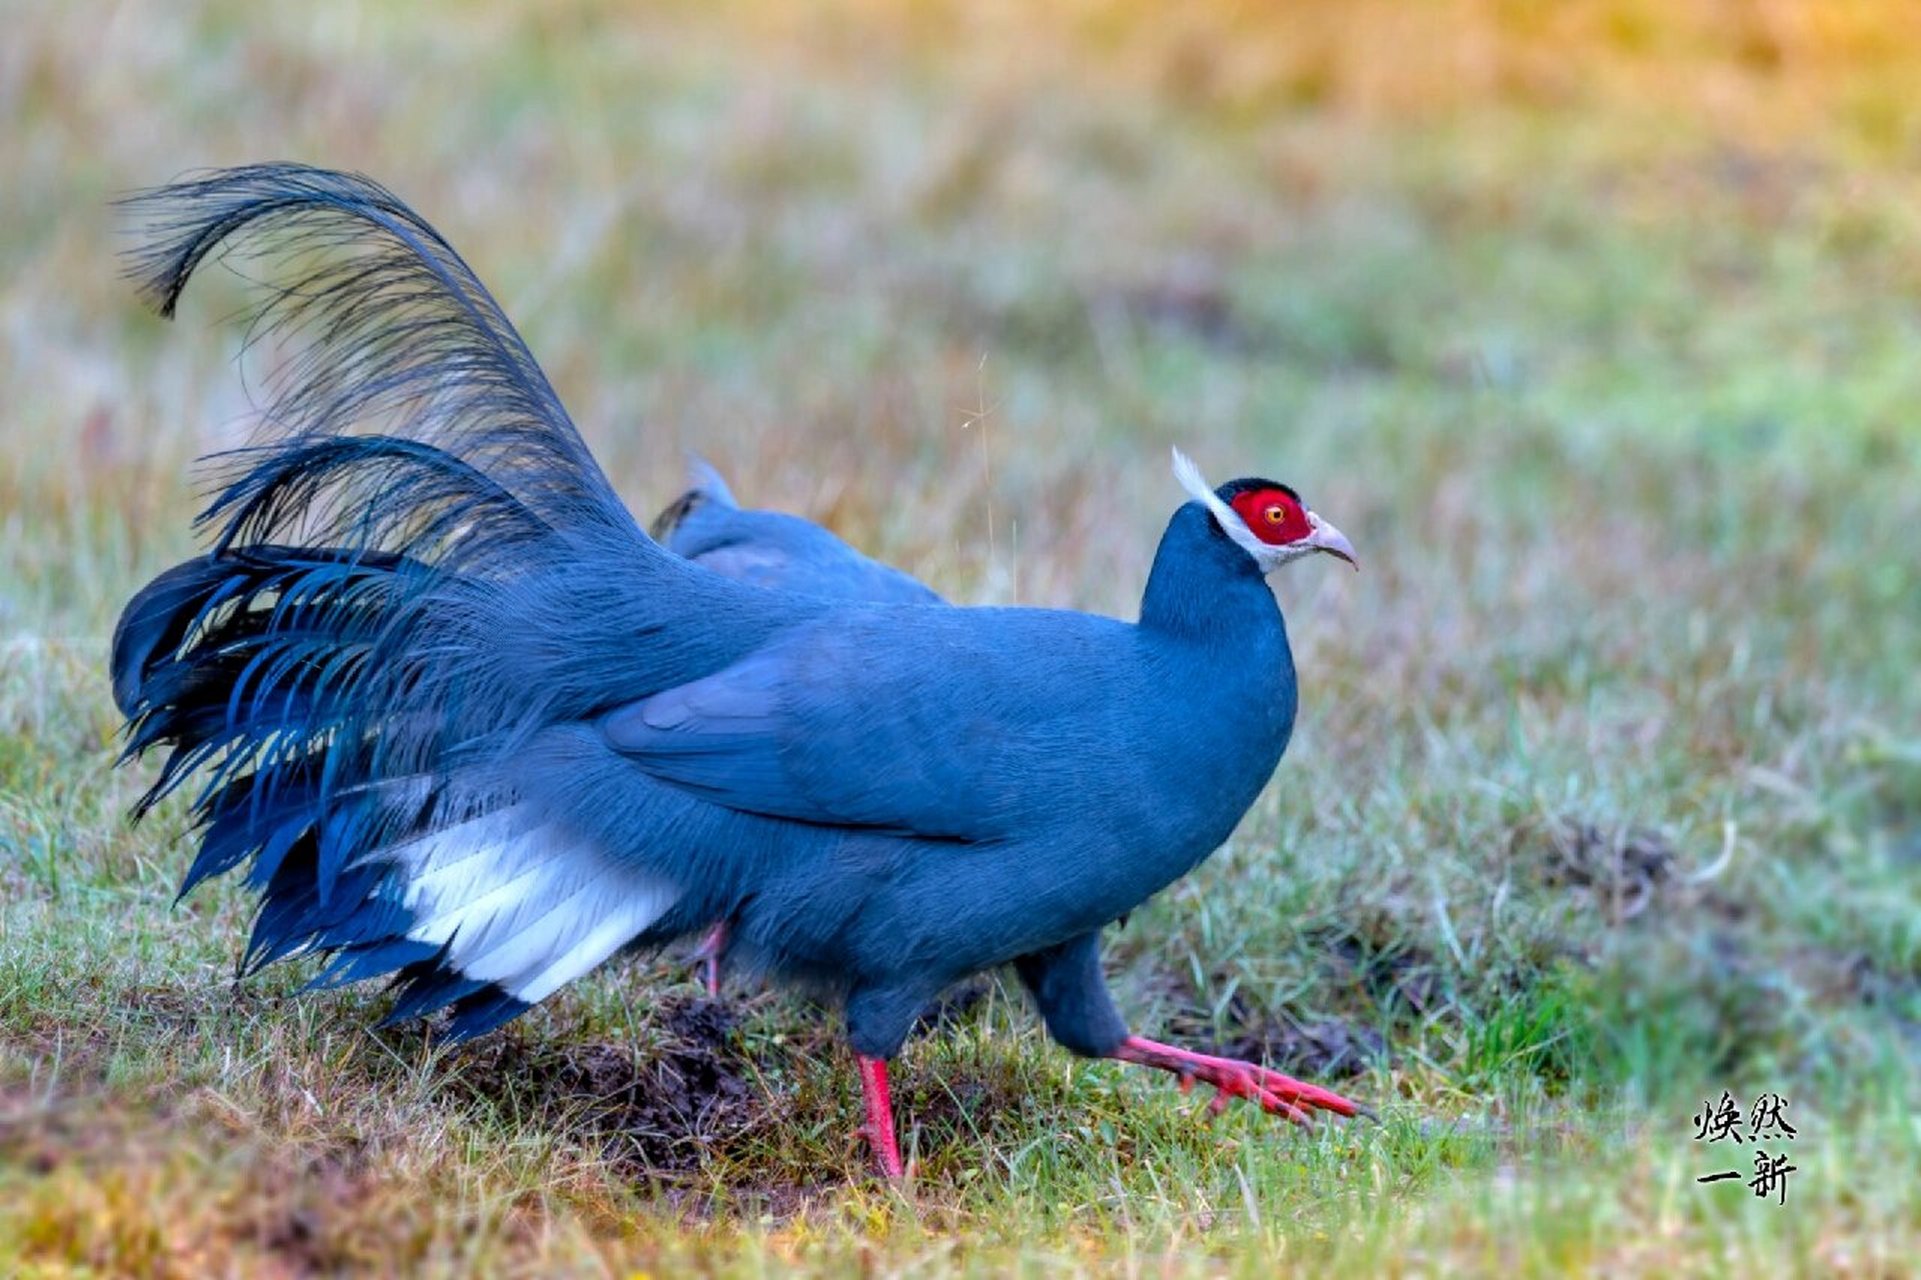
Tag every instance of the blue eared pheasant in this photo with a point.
(773, 549)
(466, 726)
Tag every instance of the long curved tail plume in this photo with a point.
(386, 609)
(397, 338)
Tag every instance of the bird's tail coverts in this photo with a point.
(391, 606)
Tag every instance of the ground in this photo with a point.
(1592, 325)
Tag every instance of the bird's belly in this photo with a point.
(1007, 901)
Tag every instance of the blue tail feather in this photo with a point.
(426, 987)
(356, 962)
(386, 612)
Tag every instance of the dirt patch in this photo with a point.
(172, 1182)
(646, 1110)
(956, 1118)
(305, 1208)
(1623, 871)
(1393, 975)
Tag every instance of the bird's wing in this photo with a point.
(909, 720)
(721, 737)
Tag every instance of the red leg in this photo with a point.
(707, 956)
(879, 1128)
(1282, 1095)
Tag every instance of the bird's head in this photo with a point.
(1264, 518)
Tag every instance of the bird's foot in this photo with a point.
(707, 956)
(879, 1127)
(1280, 1094)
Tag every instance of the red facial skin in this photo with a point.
(1275, 518)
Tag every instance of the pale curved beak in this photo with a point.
(1325, 537)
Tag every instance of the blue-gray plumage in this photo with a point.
(773, 549)
(467, 725)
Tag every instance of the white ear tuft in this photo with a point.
(1225, 516)
(1191, 479)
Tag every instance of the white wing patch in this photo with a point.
(521, 902)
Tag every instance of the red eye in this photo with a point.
(1274, 515)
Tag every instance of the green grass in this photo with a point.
(1606, 794)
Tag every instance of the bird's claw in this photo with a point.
(1276, 1093)
(1229, 1085)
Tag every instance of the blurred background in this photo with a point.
(1592, 324)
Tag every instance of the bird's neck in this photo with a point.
(1205, 588)
(1220, 650)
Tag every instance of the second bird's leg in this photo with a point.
(1231, 1078)
(879, 1106)
(707, 956)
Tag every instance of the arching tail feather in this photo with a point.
(273, 488)
(163, 616)
(396, 333)
(417, 568)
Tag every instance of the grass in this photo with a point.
(1606, 794)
